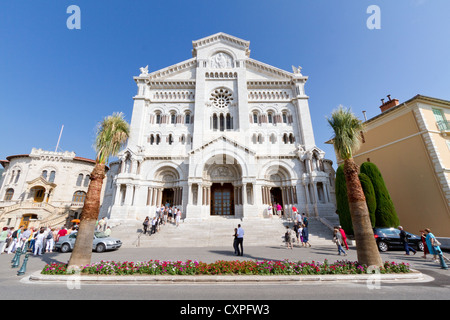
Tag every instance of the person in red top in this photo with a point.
(344, 237)
(62, 232)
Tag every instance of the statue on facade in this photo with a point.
(297, 70)
(144, 71)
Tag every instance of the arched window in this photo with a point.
(79, 197)
(291, 138)
(9, 194)
(270, 117)
(214, 122)
(260, 138)
(170, 139)
(273, 138)
(284, 115)
(12, 177)
(52, 176)
(187, 118)
(173, 118)
(222, 122)
(79, 180)
(158, 118)
(158, 139)
(17, 177)
(229, 122)
(285, 138)
(44, 174)
(152, 139)
(86, 181)
(255, 117)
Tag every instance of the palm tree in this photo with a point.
(112, 134)
(347, 134)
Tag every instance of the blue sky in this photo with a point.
(52, 76)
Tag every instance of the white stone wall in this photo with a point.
(221, 81)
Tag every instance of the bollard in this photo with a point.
(16, 260)
(23, 269)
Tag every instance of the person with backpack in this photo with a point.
(39, 244)
(50, 240)
(15, 240)
(288, 238)
(337, 239)
(434, 248)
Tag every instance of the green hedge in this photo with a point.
(385, 213)
(343, 209)
(369, 193)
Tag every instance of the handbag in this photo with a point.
(436, 243)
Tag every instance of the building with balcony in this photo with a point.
(43, 188)
(410, 144)
(220, 134)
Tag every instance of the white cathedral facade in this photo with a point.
(220, 134)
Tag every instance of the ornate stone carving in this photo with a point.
(221, 60)
(222, 172)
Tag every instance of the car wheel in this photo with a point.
(65, 247)
(420, 246)
(383, 246)
(100, 248)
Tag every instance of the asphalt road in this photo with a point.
(436, 285)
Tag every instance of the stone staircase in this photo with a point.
(217, 232)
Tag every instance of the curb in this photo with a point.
(176, 279)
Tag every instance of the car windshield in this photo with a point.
(100, 235)
(388, 232)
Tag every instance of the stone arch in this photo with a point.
(231, 158)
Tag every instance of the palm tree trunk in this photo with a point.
(82, 251)
(366, 246)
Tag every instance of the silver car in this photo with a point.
(101, 242)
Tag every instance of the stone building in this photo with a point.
(409, 142)
(43, 188)
(220, 134)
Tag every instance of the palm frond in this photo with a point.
(112, 135)
(347, 132)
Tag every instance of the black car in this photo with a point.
(389, 238)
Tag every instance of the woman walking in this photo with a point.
(338, 240)
(433, 247)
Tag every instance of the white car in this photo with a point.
(101, 242)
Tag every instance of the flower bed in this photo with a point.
(222, 267)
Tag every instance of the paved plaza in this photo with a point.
(435, 283)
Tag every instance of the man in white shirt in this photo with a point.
(240, 240)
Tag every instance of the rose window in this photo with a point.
(221, 98)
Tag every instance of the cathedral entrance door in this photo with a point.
(222, 200)
(276, 196)
(167, 197)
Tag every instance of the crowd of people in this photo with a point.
(163, 214)
(36, 240)
(299, 232)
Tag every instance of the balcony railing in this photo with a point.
(443, 125)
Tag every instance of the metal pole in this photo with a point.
(60, 133)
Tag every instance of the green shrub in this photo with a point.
(343, 209)
(369, 193)
(385, 214)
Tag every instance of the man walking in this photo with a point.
(404, 239)
(240, 241)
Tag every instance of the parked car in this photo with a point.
(389, 238)
(101, 242)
